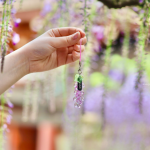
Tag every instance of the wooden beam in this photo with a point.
(119, 3)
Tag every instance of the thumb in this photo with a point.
(59, 42)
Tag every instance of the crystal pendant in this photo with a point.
(78, 96)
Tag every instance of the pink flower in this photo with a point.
(16, 38)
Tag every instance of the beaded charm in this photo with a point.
(78, 98)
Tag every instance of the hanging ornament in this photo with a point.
(52, 99)
(78, 98)
(35, 100)
(26, 102)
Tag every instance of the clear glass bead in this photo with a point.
(76, 105)
(74, 99)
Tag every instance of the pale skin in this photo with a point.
(56, 47)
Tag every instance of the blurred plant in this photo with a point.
(26, 101)
(21, 2)
(49, 93)
(8, 16)
(122, 102)
(106, 68)
(142, 42)
(5, 115)
(5, 32)
(85, 14)
(101, 25)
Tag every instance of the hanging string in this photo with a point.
(80, 49)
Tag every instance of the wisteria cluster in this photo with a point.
(8, 21)
(6, 116)
(122, 106)
(8, 16)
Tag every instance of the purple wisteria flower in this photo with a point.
(16, 38)
(13, 11)
(135, 9)
(8, 119)
(98, 31)
(93, 100)
(10, 105)
(141, 1)
(17, 22)
(5, 126)
(116, 75)
(10, 29)
(46, 9)
(121, 106)
(10, 111)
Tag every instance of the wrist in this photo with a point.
(15, 67)
(22, 63)
(16, 63)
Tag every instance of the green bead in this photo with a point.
(79, 79)
(76, 77)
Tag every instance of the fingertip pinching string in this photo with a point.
(80, 49)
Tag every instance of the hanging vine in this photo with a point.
(85, 14)
(106, 68)
(142, 42)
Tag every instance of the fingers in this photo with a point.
(76, 48)
(66, 31)
(73, 57)
(59, 42)
(84, 40)
(65, 57)
(69, 55)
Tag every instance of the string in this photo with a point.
(80, 49)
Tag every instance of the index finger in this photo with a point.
(66, 31)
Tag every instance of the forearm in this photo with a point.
(15, 67)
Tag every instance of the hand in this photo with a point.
(54, 48)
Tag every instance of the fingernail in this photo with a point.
(76, 36)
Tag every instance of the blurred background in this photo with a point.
(115, 112)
